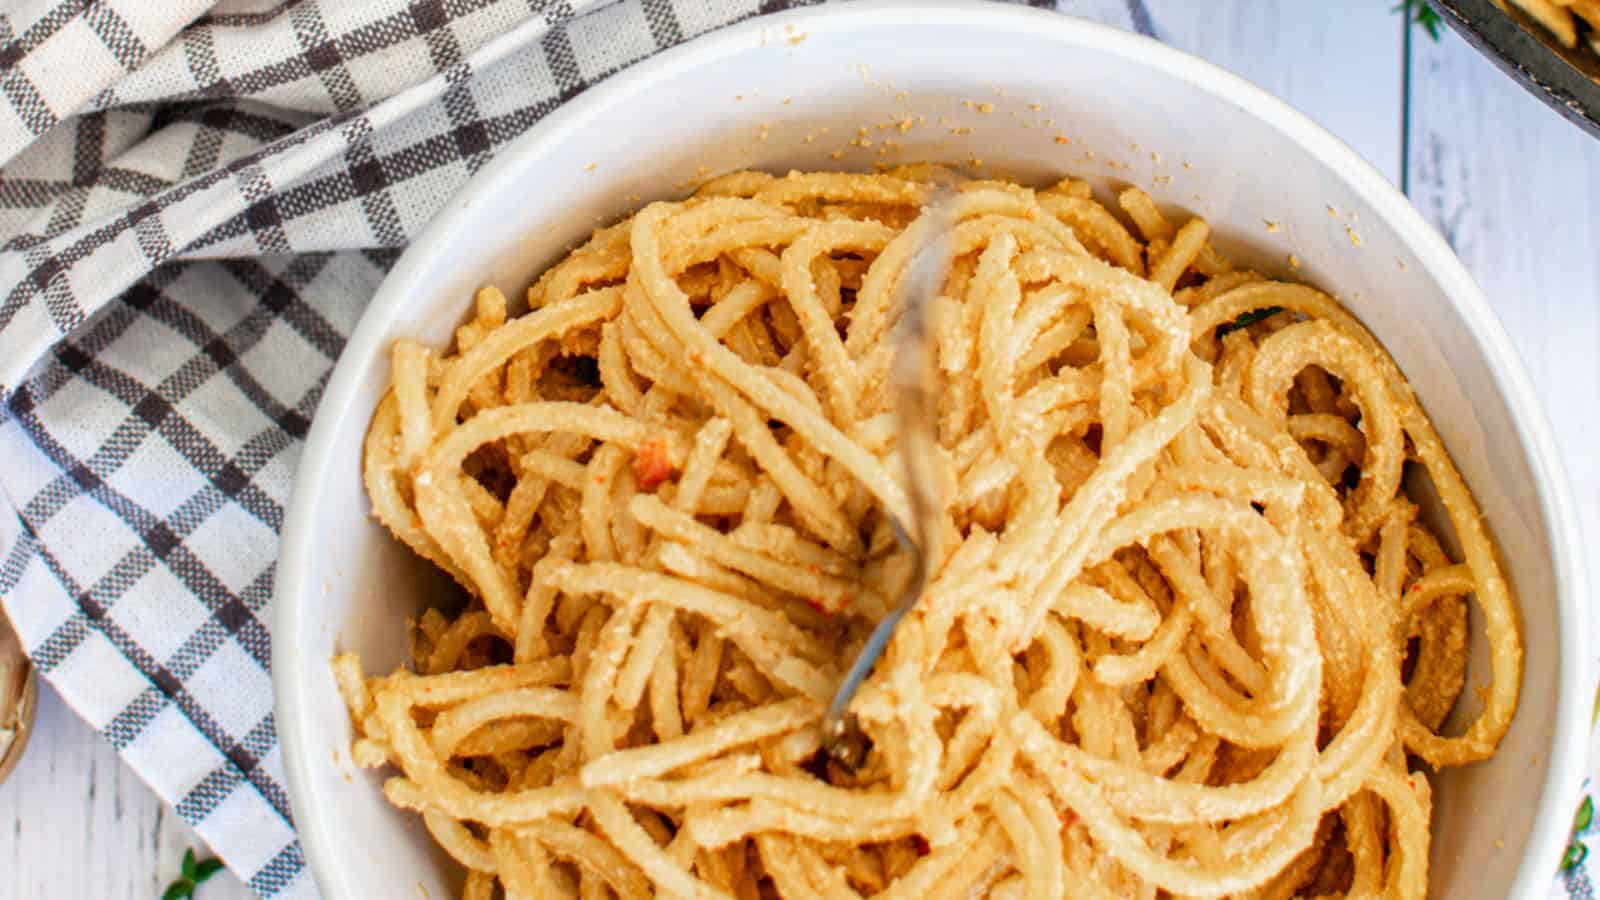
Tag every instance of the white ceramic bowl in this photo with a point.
(792, 91)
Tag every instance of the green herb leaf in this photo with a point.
(193, 872)
(1421, 14)
(1574, 857)
(1585, 817)
(1431, 21)
(1249, 318)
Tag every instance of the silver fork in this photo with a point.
(914, 384)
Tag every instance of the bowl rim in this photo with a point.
(314, 824)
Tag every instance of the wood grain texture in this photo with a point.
(1339, 63)
(1515, 189)
(75, 822)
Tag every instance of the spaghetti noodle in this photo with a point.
(1187, 634)
(1568, 21)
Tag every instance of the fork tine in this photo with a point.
(915, 386)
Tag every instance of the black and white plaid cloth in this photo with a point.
(196, 201)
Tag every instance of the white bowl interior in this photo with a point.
(1027, 95)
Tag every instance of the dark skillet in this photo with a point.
(1561, 77)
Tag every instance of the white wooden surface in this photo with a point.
(1340, 63)
(77, 824)
(1516, 191)
(1513, 187)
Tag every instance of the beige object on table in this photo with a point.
(19, 695)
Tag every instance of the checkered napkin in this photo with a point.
(196, 200)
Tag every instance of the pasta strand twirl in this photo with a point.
(1187, 633)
